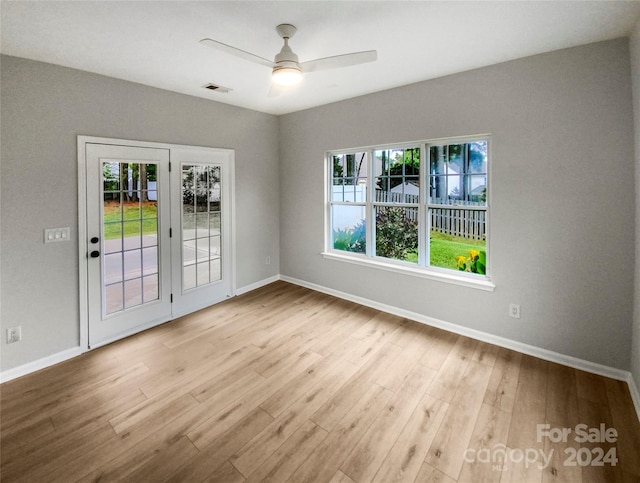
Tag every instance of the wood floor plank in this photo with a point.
(267, 442)
(225, 474)
(489, 436)
(501, 392)
(207, 462)
(428, 474)
(485, 353)
(413, 351)
(340, 477)
(561, 408)
(302, 384)
(290, 455)
(407, 454)
(591, 387)
(593, 414)
(453, 437)
(211, 428)
(517, 470)
(369, 453)
(556, 469)
(440, 345)
(530, 404)
(450, 375)
(626, 423)
(288, 384)
(334, 410)
(326, 459)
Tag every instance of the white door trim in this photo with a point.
(83, 281)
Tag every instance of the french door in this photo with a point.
(158, 234)
(201, 251)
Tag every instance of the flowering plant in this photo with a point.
(474, 263)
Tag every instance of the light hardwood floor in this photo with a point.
(287, 384)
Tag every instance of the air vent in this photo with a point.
(217, 88)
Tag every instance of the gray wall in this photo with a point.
(634, 44)
(44, 108)
(562, 224)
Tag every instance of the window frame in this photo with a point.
(422, 268)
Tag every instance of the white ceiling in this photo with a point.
(156, 42)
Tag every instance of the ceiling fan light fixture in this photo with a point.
(286, 76)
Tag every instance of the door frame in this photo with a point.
(83, 249)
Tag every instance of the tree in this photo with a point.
(405, 163)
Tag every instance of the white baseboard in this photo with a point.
(43, 363)
(531, 350)
(256, 285)
(635, 394)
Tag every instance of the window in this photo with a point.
(422, 206)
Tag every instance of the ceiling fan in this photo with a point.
(286, 69)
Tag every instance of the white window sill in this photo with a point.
(431, 274)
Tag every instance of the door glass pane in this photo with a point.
(201, 224)
(129, 222)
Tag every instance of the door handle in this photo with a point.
(95, 254)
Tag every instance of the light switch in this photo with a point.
(57, 234)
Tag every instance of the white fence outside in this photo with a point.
(463, 222)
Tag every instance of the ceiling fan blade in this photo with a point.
(237, 52)
(344, 60)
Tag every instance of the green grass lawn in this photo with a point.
(445, 248)
(129, 219)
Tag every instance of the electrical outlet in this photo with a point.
(514, 311)
(14, 334)
(267, 261)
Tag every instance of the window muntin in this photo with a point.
(444, 227)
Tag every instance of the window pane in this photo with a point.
(478, 157)
(215, 270)
(202, 188)
(188, 277)
(349, 177)
(132, 264)
(456, 159)
(202, 251)
(132, 234)
(397, 233)
(150, 288)
(455, 189)
(458, 174)
(203, 273)
(150, 260)
(202, 222)
(458, 240)
(131, 210)
(348, 230)
(214, 224)
(437, 160)
(478, 190)
(133, 292)
(112, 268)
(397, 174)
(111, 176)
(113, 298)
